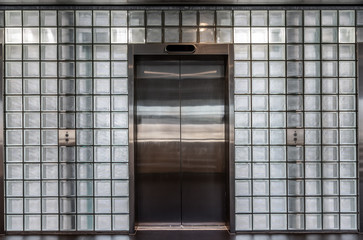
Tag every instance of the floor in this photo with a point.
(190, 235)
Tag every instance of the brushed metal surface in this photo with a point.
(157, 51)
(67, 137)
(179, 2)
(203, 148)
(180, 137)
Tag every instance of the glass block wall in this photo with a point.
(68, 69)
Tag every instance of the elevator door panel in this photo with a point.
(158, 192)
(180, 141)
(202, 141)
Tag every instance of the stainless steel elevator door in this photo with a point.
(180, 140)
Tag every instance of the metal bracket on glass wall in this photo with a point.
(295, 136)
(67, 137)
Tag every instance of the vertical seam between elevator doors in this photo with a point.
(180, 146)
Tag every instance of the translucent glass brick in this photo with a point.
(189, 34)
(224, 35)
(171, 34)
(329, 17)
(136, 18)
(153, 35)
(118, 35)
(277, 69)
(346, 35)
(189, 18)
(276, 18)
(347, 68)
(118, 18)
(259, 69)
(48, 18)
(329, 52)
(312, 18)
(206, 18)
(259, 35)
(329, 35)
(224, 18)
(171, 18)
(206, 35)
(241, 35)
(294, 18)
(312, 52)
(259, 18)
(13, 18)
(241, 18)
(101, 18)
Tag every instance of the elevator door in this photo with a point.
(180, 141)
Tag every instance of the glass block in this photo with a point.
(49, 103)
(84, 103)
(329, 52)
(50, 188)
(102, 120)
(120, 137)
(118, 18)
(347, 170)
(276, 18)
(330, 85)
(84, 35)
(294, 69)
(312, 103)
(67, 103)
(260, 103)
(83, 18)
(241, 18)
(66, 52)
(224, 35)
(120, 171)
(13, 120)
(31, 69)
(84, 52)
(224, 18)
(329, 103)
(243, 204)
(348, 204)
(13, 52)
(31, 154)
(346, 17)
(101, 35)
(66, 35)
(13, 18)
(242, 69)
(330, 187)
(259, 18)
(259, 35)
(330, 170)
(102, 205)
(102, 137)
(31, 18)
(294, 18)
(103, 222)
(260, 170)
(294, 103)
(85, 188)
(348, 187)
(312, 18)
(277, 170)
(330, 120)
(277, 103)
(14, 171)
(101, 69)
(347, 69)
(49, 171)
(241, 35)
(329, 69)
(295, 170)
(242, 136)
(66, 18)
(242, 120)
(101, 18)
(31, 103)
(14, 222)
(14, 103)
(331, 221)
(294, 35)
(242, 154)
(312, 52)
(261, 222)
(14, 154)
(153, 18)
(346, 34)
(206, 18)
(346, 52)
(30, 35)
(259, 52)
(32, 188)
(311, 35)
(277, 137)
(260, 154)
(259, 85)
(189, 34)
(242, 103)
(153, 35)
(330, 136)
(347, 136)
(276, 35)
(31, 52)
(348, 221)
(277, 52)
(49, 52)
(171, 34)
(259, 69)
(294, 86)
(14, 206)
(102, 171)
(48, 35)
(243, 171)
(136, 35)
(189, 18)
(85, 222)
(313, 221)
(31, 137)
(136, 18)
(171, 18)
(347, 119)
(120, 188)
(49, 137)
(14, 188)
(260, 187)
(347, 103)
(206, 35)
(329, 35)
(277, 120)
(294, 119)
(13, 69)
(101, 52)
(295, 153)
(312, 120)
(329, 17)
(48, 18)
(102, 154)
(294, 52)
(277, 85)
(118, 35)
(242, 85)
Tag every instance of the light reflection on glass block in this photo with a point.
(224, 35)
(259, 35)
(206, 35)
(346, 34)
(206, 18)
(241, 35)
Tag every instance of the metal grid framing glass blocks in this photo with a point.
(295, 69)
(68, 69)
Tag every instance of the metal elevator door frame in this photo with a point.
(226, 50)
(180, 140)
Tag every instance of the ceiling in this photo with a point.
(181, 2)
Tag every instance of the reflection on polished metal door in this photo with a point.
(180, 141)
